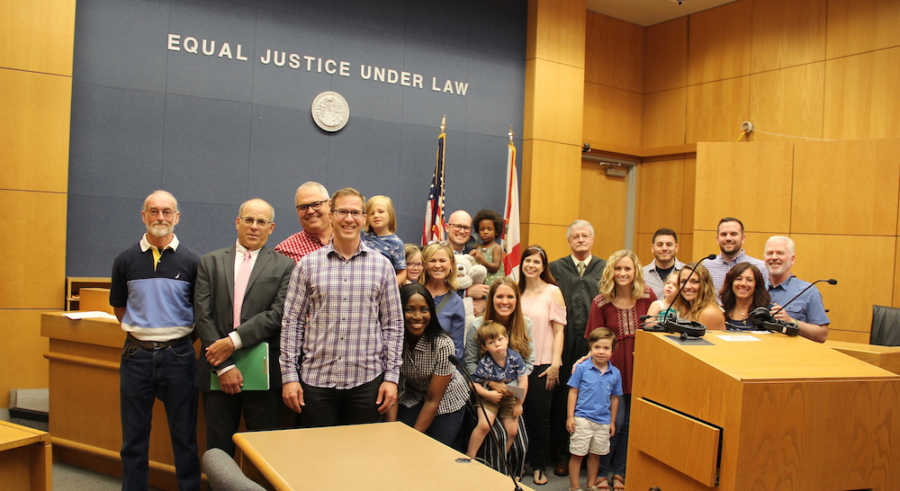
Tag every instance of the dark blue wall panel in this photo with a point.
(216, 131)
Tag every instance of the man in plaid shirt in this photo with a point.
(342, 328)
(311, 200)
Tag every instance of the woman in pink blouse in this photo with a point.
(623, 299)
(542, 302)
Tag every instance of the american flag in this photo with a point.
(433, 230)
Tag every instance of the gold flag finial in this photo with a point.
(510, 134)
(443, 123)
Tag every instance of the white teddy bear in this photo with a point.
(468, 273)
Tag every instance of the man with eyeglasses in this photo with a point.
(311, 200)
(238, 301)
(151, 293)
(342, 329)
(459, 232)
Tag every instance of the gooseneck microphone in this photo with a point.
(685, 328)
(500, 451)
(830, 281)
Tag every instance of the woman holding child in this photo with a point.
(623, 300)
(432, 393)
(543, 304)
(505, 309)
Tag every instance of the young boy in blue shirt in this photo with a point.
(499, 364)
(595, 387)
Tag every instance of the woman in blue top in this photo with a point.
(439, 278)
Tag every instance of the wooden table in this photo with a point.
(887, 357)
(374, 457)
(776, 412)
(26, 459)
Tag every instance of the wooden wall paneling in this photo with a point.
(642, 248)
(612, 117)
(846, 187)
(686, 246)
(855, 26)
(789, 101)
(704, 243)
(36, 278)
(690, 185)
(750, 181)
(787, 33)
(547, 117)
(849, 336)
(22, 365)
(663, 120)
(715, 110)
(614, 53)
(860, 95)
(660, 186)
(34, 132)
(37, 35)
(550, 182)
(861, 264)
(665, 55)
(551, 237)
(603, 202)
(556, 31)
(896, 302)
(719, 43)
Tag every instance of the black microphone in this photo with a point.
(830, 281)
(500, 451)
(681, 285)
(761, 319)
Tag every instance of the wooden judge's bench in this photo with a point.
(760, 412)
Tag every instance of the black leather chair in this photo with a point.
(224, 474)
(885, 326)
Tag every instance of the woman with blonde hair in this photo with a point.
(439, 279)
(697, 301)
(624, 298)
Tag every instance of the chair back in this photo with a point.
(885, 326)
(224, 474)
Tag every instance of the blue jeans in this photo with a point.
(444, 427)
(166, 374)
(618, 447)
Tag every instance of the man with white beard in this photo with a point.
(151, 292)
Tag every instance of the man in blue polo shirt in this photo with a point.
(807, 312)
(151, 292)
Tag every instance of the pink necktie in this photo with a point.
(240, 287)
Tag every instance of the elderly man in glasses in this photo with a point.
(342, 329)
(313, 211)
(238, 300)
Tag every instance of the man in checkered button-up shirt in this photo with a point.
(342, 328)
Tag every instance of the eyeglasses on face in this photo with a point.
(344, 212)
(315, 205)
(166, 212)
(249, 221)
(462, 228)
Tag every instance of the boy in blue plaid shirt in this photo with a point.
(499, 364)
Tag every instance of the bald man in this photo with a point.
(459, 232)
(238, 303)
(314, 211)
(151, 293)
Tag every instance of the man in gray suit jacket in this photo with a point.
(238, 303)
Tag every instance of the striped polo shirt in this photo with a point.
(158, 301)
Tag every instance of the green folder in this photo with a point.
(254, 366)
